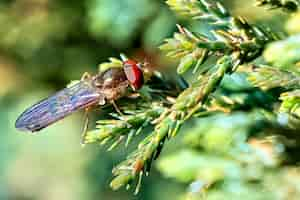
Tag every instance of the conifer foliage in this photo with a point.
(242, 114)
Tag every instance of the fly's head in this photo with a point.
(127, 72)
(134, 73)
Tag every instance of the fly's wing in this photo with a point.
(58, 106)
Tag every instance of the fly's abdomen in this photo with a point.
(58, 106)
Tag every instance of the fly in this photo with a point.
(105, 87)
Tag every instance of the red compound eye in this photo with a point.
(134, 74)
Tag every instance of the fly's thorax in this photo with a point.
(112, 83)
(110, 78)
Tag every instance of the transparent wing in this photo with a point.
(58, 106)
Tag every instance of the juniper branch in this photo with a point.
(287, 5)
(127, 125)
(187, 103)
(234, 43)
(269, 77)
(238, 37)
(238, 43)
(291, 103)
(212, 11)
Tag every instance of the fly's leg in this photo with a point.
(119, 112)
(85, 126)
(116, 108)
(134, 95)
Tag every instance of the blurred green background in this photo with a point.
(44, 44)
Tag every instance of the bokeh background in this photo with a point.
(44, 44)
